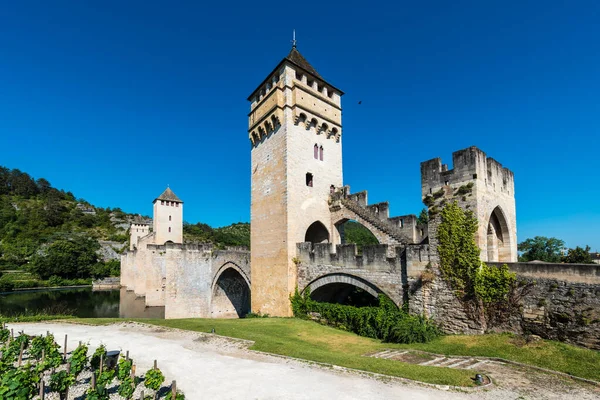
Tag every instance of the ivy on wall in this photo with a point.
(459, 259)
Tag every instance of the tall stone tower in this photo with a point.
(168, 218)
(481, 184)
(295, 128)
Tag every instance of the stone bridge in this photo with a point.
(190, 280)
(332, 276)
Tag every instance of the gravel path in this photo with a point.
(208, 366)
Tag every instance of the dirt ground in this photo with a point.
(208, 366)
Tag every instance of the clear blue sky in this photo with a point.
(114, 101)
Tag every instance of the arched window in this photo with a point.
(316, 151)
(321, 153)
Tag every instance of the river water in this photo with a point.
(81, 302)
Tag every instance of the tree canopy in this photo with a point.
(541, 248)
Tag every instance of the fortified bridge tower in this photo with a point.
(295, 128)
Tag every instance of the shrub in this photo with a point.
(60, 381)
(79, 359)
(154, 379)
(374, 322)
(493, 284)
(17, 384)
(124, 369)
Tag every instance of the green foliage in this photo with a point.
(60, 381)
(578, 255)
(17, 384)
(105, 378)
(178, 396)
(464, 189)
(99, 393)
(154, 379)
(542, 249)
(126, 388)
(358, 234)
(428, 200)
(4, 335)
(438, 194)
(95, 360)
(385, 322)
(493, 284)
(459, 254)
(66, 258)
(124, 369)
(232, 235)
(78, 359)
(459, 259)
(423, 217)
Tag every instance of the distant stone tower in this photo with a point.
(296, 135)
(139, 228)
(168, 218)
(482, 185)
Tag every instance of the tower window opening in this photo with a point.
(401, 223)
(309, 179)
(169, 229)
(176, 204)
(162, 202)
(316, 152)
(321, 153)
(446, 183)
(169, 217)
(430, 191)
(331, 189)
(474, 176)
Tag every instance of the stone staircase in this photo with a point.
(437, 360)
(373, 220)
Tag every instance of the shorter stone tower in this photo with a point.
(139, 228)
(168, 218)
(480, 184)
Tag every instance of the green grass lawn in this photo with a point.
(310, 341)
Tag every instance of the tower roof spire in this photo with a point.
(294, 39)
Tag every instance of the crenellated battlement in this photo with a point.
(346, 255)
(469, 165)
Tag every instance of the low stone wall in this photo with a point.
(554, 301)
(576, 273)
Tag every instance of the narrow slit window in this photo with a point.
(169, 229)
(309, 179)
(169, 217)
(321, 153)
(316, 152)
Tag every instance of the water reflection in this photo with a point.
(82, 302)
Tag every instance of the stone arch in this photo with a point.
(317, 233)
(498, 237)
(230, 292)
(333, 287)
(340, 225)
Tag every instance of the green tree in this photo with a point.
(541, 248)
(423, 217)
(66, 258)
(579, 255)
(459, 254)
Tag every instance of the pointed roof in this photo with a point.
(296, 58)
(169, 196)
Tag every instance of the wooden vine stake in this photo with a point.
(142, 395)
(155, 367)
(93, 380)
(21, 353)
(43, 355)
(127, 356)
(42, 386)
(133, 377)
(68, 372)
(65, 349)
(101, 363)
(174, 390)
